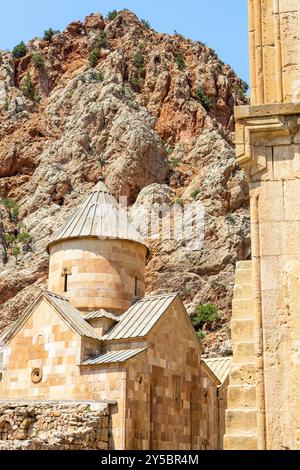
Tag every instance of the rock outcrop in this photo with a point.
(154, 116)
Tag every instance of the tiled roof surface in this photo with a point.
(113, 356)
(141, 317)
(98, 216)
(220, 367)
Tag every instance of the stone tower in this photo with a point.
(97, 259)
(264, 393)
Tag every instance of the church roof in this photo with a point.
(102, 314)
(99, 216)
(4, 336)
(69, 313)
(141, 317)
(220, 367)
(113, 356)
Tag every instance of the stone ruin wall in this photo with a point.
(54, 426)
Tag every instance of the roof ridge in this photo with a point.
(96, 311)
(156, 308)
(95, 210)
(101, 313)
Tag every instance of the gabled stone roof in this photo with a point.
(71, 315)
(102, 314)
(99, 216)
(63, 307)
(220, 366)
(139, 319)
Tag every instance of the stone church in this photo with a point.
(94, 337)
(94, 363)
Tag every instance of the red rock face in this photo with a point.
(155, 109)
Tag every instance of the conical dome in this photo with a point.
(99, 216)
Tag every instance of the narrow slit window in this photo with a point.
(66, 272)
(65, 282)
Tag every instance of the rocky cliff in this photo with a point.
(150, 112)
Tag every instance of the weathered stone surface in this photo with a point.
(94, 21)
(71, 426)
(274, 81)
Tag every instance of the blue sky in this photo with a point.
(221, 24)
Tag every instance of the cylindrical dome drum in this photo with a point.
(96, 273)
(96, 262)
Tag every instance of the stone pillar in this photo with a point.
(268, 148)
(274, 31)
(241, 420)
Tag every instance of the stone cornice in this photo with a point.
(278, 123)
(241, 112)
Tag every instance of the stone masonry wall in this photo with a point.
(274, 51)
(54, 426)
(268, 149)
(209, 413)
(102, 275)
(241, 425)
(56, 351)
(170, 402)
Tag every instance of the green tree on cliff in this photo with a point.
(12, 208)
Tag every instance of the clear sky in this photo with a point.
(221, 24)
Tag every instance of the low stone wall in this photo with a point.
(54, 426)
